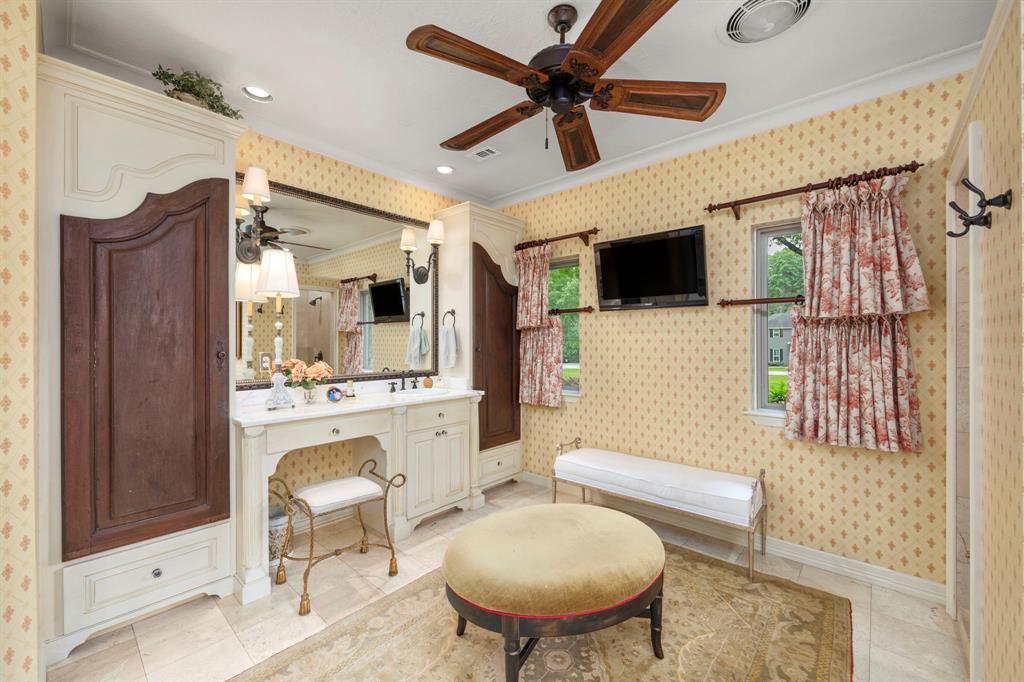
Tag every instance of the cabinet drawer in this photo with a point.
(301, 435)
(123, 581)
(498, 467)
(437, 414)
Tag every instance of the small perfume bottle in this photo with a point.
(350, 389)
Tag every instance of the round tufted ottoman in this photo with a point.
(554, 570)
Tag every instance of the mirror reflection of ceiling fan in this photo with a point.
(565, 76)
(249, 239)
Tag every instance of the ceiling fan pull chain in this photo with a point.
(545, 128)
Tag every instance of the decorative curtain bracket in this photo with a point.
(982, 217)
(372, 277)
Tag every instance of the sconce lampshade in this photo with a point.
(241, 211)
(247, 276)
(435, 233)
(408, 240)
(256, 186)
(277, 274)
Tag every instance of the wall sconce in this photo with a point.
(255, 190)
(246, 277)
(435, 237)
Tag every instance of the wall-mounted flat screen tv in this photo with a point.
(652, 271)
(390, 301)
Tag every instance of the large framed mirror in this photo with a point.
(348, 262)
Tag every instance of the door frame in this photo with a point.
(967, 162)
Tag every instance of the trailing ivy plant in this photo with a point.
(204, 89)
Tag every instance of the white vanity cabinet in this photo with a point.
(438, 463)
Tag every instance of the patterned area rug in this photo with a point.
(717, 627)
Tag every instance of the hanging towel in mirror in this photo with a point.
(419, 347)
(449, 343)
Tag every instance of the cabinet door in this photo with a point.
(495, 351)
(452, 454)
(422, 474)
(145, 381)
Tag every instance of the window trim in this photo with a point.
(563, 262)
(760, 412)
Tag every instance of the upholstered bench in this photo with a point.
(730, 499)
(553, 571)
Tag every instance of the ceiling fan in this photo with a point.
(250, 238)
(565, 76)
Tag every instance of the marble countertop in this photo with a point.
(256, 414)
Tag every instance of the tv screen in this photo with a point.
(389, 301)
(653, 271)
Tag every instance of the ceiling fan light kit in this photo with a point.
(566, 76)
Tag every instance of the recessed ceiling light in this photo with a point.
(445, 170)
(256, 93)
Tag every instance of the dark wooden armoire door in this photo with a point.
(145, 380)
(495, 351)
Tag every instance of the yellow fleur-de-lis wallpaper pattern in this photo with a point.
(673, 384)
(19, 620)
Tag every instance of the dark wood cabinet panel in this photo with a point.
(495, 351)
(144, 369)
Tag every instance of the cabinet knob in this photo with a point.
(440, 415)
(336, 431)
(221, 355)
(499, 462)
(444, 433)
(157, 572)
(437, 434)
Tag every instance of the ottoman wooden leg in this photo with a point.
(510, 631)
(656, 626)
(460, 629)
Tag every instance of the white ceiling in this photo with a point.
(332, 229)
(345, 84)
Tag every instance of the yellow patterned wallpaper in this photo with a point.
(19, 621)
(673, 384)
(998, 108)
(299, 167)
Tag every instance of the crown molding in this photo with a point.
(356, 246)
(893, 80)
(988, 48)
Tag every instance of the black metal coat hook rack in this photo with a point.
(982, 217)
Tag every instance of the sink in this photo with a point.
(421, 392)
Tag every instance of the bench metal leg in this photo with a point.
(510, 631)
(460, 629)
(750, 554)
(656, 625)
(764, 532)
(554, 490)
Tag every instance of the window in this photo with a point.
(778, 271)
(366, 315)
(564, 292)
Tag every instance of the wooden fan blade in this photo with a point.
(576, 139)
(492, 126)
(688, 101)
(306, 246)
(442, 44)
(613, 29)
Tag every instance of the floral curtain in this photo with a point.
(348, 318)
(540, 343)
(532, 271)
(851, 372)
(540, 363)
(352, 356)
(348, 307)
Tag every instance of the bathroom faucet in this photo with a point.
(415, 382)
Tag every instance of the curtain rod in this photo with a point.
(372, 277)
(564, 311)
(827, 184)
(584, 236)
(758, 301)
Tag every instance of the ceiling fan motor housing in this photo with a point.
(562, 91)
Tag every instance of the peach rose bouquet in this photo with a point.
(307, 376)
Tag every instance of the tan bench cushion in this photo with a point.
(553, 560)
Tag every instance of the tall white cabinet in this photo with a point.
(497, 233)
(103, 146)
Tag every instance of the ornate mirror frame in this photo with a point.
(299, 193)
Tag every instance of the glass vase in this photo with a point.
(309, 395)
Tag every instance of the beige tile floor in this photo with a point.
(896, 638)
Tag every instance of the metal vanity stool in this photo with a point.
(321, 498)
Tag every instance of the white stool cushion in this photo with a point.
(719, 495)
(339, 493)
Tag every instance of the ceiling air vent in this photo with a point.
(483, 153)
(758, 20)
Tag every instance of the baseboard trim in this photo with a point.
(850, 568)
